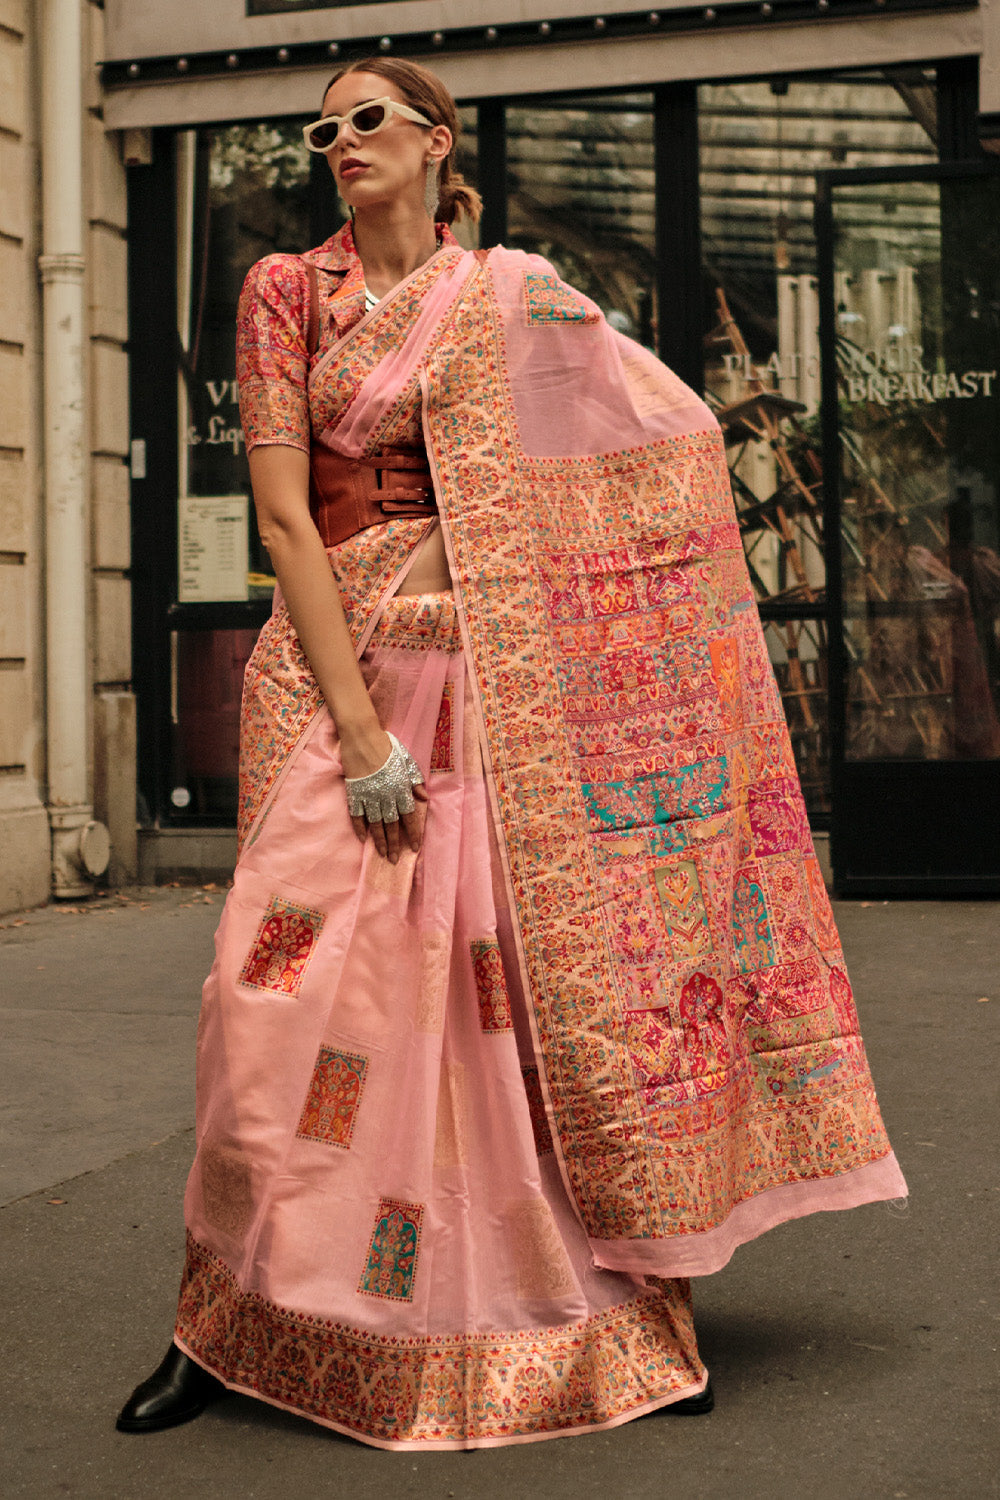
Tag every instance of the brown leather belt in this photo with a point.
(347, 495)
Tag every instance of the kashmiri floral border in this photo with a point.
(466, 1390)
(641, 770)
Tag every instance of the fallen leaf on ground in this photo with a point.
(983, 1000)
(54, 1201)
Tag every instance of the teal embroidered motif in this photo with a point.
(549, 300)
(392, 1254)
(751, 928)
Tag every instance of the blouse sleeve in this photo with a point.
(272, 361)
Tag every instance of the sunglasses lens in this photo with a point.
(324, 134)
(369, 119)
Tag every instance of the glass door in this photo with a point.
(910, 337)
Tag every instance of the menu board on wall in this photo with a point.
(212, 548)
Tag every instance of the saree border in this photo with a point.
(468, 1390)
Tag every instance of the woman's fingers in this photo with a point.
(377, 831)
(413, 822)
(388, 837)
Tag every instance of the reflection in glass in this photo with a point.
(761, 146)
(243, 193)
(918, 334)
(582, 193)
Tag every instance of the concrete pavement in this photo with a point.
(853, 1355)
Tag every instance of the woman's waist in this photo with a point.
(347, 495)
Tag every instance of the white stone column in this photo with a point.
(80, 847)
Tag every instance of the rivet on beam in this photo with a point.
(133, 70)
(233, 60)
(438, 38)
(333, 48)
(545, 28)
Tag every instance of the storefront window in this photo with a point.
(243, 192)
(917, 296)
(761, 146)
(581, 192)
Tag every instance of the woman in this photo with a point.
(567, 1020)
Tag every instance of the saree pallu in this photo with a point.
(379, 1235)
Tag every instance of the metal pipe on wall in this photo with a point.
(80, 847)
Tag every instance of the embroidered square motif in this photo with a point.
(282, 948)
(548, 300)
(751, 928)
(679, 889)
(491, 987)
(443, 748)
(392, 1254)
(541, 1265)
(226, 1189)
(334, 1095)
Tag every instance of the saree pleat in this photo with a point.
(379, 1236)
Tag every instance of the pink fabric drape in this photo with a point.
(379, 1236)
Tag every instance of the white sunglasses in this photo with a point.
(366, 119)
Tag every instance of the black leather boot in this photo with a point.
(177, 1391)
(693, 1406)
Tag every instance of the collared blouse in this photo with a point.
(278, 405)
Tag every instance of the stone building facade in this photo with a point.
(134, 139)
(96, 505)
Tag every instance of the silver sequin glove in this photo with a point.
(387, 792)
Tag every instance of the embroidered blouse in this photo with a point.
(277, 403)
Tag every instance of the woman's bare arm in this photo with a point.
(280, 478)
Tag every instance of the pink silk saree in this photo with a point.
(602, 1020)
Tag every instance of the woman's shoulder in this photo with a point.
(280, 273)
(508, 258)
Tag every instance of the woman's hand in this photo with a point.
(365, 752)
(280, 477)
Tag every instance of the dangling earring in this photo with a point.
(431, 187)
